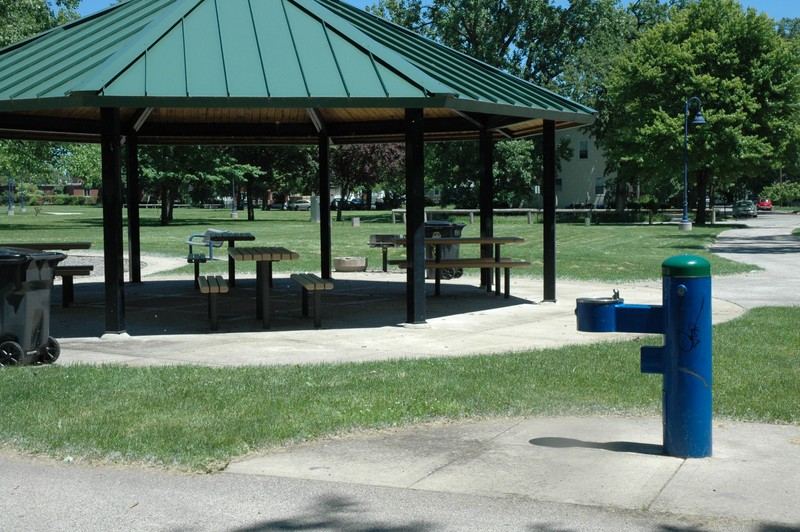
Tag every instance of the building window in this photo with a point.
(583, 151)
(559, 184)
(600, 186)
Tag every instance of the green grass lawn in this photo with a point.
(611, 253)
(198, 418)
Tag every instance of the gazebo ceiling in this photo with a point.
(258, 71)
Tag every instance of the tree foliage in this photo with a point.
(170, 171)
(19, 19)
(537, 40)
(22, 18)
(279, 170)
(364, 166)
(783, 193)
(744, 73)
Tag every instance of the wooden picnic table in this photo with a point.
(264, 257)
(231, 239)
(495, 262)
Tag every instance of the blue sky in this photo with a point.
(776, 9)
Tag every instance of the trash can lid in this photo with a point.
(10, 256)
(13, 256)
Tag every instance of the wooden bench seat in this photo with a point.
(213, 285)
(197, 259)
(504, 264)
(67, 274)
(312, 283)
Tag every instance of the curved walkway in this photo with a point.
(767, 242)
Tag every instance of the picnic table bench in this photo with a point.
(197, 259)
(212, 285)
(312, 283)
(67, 273)
(214, 238)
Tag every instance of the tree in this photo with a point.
(783, 193)
(532, 39)
(279, 168)
(82, 161)
(169, 170)
(31, 161)
(22, 18)
(363, 166)
(744, 73)
(566, 48)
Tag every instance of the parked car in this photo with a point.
(300, 205)
(764, 204)
(744, 209)
(358, 204)
(335, 204)
(277, 206)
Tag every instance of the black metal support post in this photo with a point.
(112, 220)
(134, 224)
(486, 163)
(324, 205)
(415, 218)
(549, 214)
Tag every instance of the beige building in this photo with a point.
(582, 179)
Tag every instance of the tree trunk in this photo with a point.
(164, 206)
(620, 193)
(703, 178)
(345, 192)
(173, 195)
(251, 215)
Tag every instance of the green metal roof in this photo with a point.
(248, 63)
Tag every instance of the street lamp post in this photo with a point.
(234, 212)
(686, 224)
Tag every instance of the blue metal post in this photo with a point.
(687, 356)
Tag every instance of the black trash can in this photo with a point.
(26, 278)
(440, 229)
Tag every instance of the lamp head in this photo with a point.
(698, 118)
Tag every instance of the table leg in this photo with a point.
(385, 258)
(437, 273)
(259, 282)
(231, 266)
(263, 267)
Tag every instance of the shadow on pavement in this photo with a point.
(173, 307)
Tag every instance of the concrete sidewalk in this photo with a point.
(599, 473)
(601, 462)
